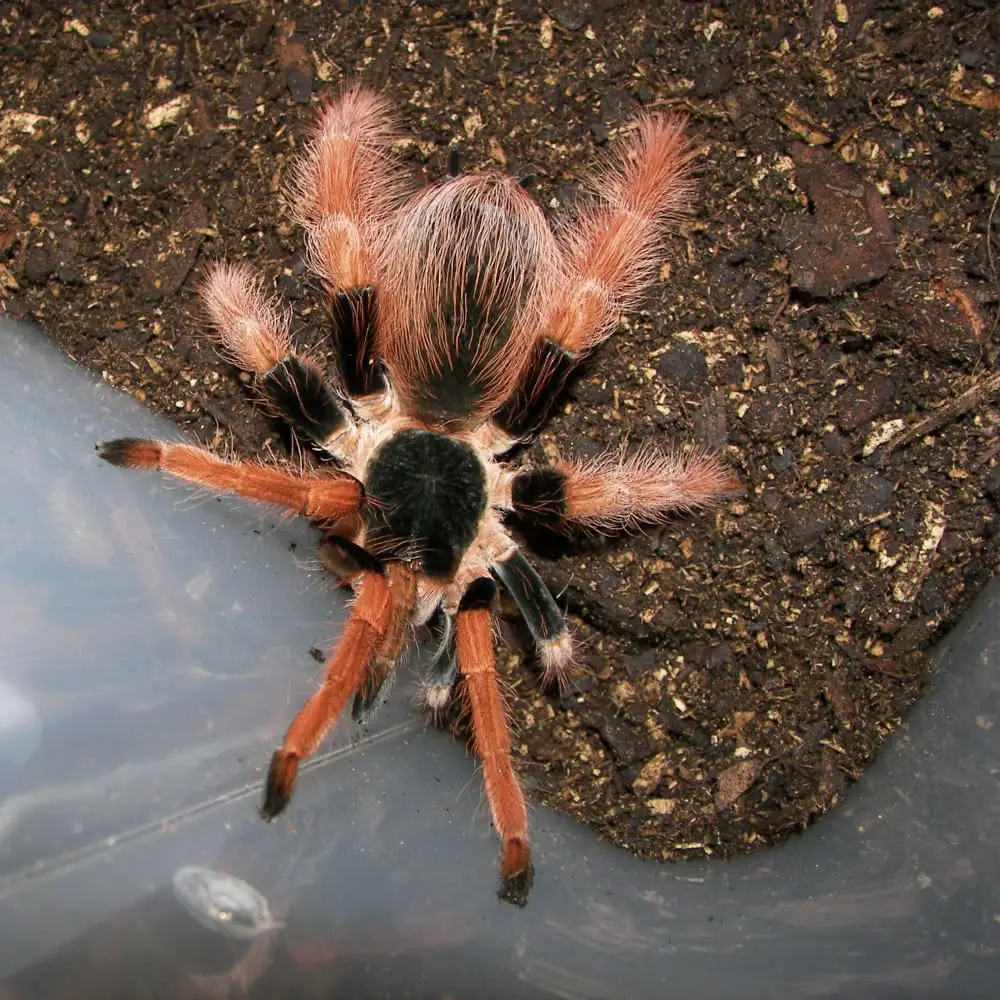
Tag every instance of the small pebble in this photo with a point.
(38, 265)
(571, 14)
(714, 80)
(781, 461)
(969, 57)
(600, 133)
(992, 485)
(289, 287)
(683, 363)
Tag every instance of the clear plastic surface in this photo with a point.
(154, 644)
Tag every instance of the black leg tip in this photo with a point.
(272, 806)
(514, 888)
(268, 812)
(119, 451)
(279, 785)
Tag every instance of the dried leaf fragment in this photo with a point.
(984, 98)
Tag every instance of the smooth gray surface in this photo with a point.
(154, 644)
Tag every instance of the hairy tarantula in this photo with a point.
(458, 317)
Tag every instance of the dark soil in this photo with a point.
(836, 285)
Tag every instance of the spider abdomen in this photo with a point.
(425, 496)
(463, 280)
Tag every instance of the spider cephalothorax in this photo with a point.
(458, 317)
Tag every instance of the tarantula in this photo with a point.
(458, 317)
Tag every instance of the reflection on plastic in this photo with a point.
(20, 729)
(223, 902)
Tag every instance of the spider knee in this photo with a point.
(353, 316)
(539, 389)
(540, 494)
(301, 395)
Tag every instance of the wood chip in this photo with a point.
(804, 125)
(168, 113)
(913, 570)
(735, 781)
(984, 98)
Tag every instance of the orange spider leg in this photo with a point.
(376, 682)
(613, 251)
(343, 186)
(320, 498)
(474, 647)
(608, 258)
(616, 492)
(363, 633)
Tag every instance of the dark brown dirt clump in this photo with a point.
(836, 286)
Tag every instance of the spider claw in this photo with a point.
(437, 687)
(436, 698)
(516, 872)
(280, 784)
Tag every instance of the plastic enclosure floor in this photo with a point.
(155, 643)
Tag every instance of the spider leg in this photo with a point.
(320, 498)
(474, 646)
(615, 492)
(343, 190)
(345, 559)
(528, 408)
(352, 314)
(611, 254)
(254, 334)
(464, 277)
(363, 633)
(443, 669)
(540, 613)
(344, 187)
(379, 675)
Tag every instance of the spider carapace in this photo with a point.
(458, 316)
